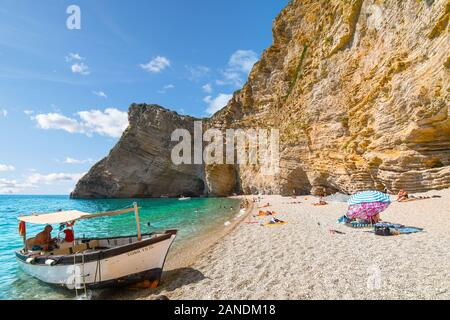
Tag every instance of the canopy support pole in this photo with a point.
(138, 224)
(25, 245)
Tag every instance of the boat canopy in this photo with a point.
(69, 216)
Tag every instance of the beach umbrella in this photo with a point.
(366, 205)
(366, 210)
(368, 197)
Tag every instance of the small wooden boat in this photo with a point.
(96, 262)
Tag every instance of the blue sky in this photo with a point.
(64, 93)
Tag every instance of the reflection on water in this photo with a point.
(191, 218)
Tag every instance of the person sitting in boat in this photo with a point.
(69, 235)
(44, 240)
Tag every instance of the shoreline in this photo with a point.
(187, 253)
(180, 259)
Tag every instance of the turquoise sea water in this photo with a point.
(191, 218)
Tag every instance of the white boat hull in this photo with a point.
(120, 266)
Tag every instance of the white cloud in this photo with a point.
(70, 160)
(73, 56)
(217, 103)
(34, 181)
(5, 168)
(231, 77)
(4, 113)
(165, 88)
(28, 112)
(53, 178)
(12, 186)
(243, 60)
(58, 121)
(100, 94)
(80, 68)
(111, 122)
(240, 64)
(156, 65)
(197, 73)
(207, 88)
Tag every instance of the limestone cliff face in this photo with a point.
(359, 90)
(140, 164)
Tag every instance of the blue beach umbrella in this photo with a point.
(368, 197)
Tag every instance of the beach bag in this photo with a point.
(382, 230)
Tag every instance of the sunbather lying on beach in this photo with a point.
(266, 214)
(265, 206)
(276, 221)
(321, 203)
(403, 196)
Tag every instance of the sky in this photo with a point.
(68, 75)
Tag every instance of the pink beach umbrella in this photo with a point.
(368, 204)
(367, 210)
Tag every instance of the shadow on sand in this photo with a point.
(171, 280)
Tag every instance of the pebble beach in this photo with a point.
(307, 259)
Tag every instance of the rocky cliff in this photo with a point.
(140, 164)
(359, 90)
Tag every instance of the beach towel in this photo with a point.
(358, 225)
(398, 228)
(268, 224)
(274, 222)
(409, 230)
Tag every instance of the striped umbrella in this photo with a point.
(366, 205)
(368, 197)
